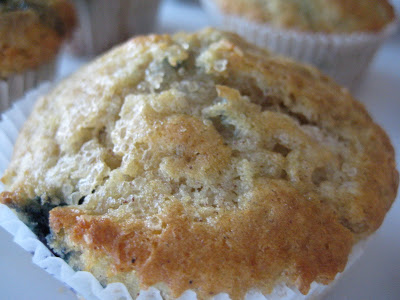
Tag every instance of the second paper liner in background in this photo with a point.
(345, 57)
(84, 283)
(16, 85)
(105, 23)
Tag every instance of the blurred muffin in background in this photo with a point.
(104, 23)
(31, 34)
(339, 37)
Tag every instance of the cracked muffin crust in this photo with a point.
(327, 16)
(198, 161)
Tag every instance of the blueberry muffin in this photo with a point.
(328, 16)
(201, 162)
(339, 37)
(31, 34)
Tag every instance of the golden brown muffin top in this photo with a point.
(199, 161)
(31, 32)
(327, 16)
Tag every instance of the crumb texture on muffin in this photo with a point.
(202, 162)
(328, 16)
(31, 32)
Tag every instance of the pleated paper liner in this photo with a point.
(104, 23)
(16, 85)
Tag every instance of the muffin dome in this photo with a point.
(198, 161)
(328, 16)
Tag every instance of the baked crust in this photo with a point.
(31, 35)
(202, 162)
(327, 16)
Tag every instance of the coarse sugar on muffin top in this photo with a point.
(199, 161)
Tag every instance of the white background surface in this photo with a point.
(375, 276)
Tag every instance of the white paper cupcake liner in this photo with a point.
(14, 86)
(345, 57)
(84, 283)
(104, 23)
